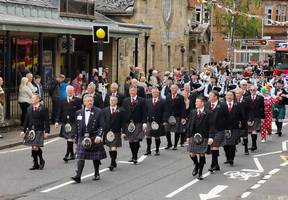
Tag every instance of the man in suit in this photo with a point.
(66, 116)
(140, 89)
(257, 114)
(219, 118)
(98, 101)
(36, 120)
(89, 138)
(135, 118)
(113, 119)
(115, 93)
(174, 108)
(244, 87)
(244, 107)
(155, 110)
(199, 123)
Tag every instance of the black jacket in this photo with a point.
(68, 109)
(256, 107)
(135, 112)
(174, 107)
(200, 124)
(236, 117)
(219, 116)
(113, 122)
(39, 119)
(155, 112)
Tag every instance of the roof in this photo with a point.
(40, 3)
(115, 7)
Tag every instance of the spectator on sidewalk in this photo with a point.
(54, 92)
(2, 101)
(77, 84)
(38, 85)
(30, 82)
(24, 98)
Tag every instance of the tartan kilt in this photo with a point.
(234, 139)
(138, 134)
(197, 148)
(279, 111)
(256, 126)
(155, 133)
(219, 139)
(116, 143)
(38, 141)
(96, 153)
(65, 135)
(177, 128)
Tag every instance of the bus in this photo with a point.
(281, 61)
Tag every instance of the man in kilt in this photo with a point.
(66, 116)
(236, 123)
(219, 117)
(199, 135)
(279, 110)
(88, 138)
(257, 114)
(135, 118)
(36, 128)
(244, 106)
(113, 119)
(174, 116)
(155, 110)
(114, 92)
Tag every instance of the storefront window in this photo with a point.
(77, 7)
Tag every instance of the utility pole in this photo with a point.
(232, 31)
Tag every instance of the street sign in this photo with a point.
(252, 42)
(105, 29)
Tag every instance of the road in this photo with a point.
(262, 175)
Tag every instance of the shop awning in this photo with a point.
(62, 25)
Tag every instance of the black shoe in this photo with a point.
(135, 161)
(111, 168)
(130, 160)
(174, 148)
(96, 178)
(42, 164)
(157, 153)
(246, 152)
(211, 170)
(65, 159)
(76, 179)
(147, 153)
(253, 148)
(114, 165)
(200, 177)
(216, 168)
(168, 147)
(226, 162)
(35, 167)
(195, 170)
(280, 134)
(231, 162)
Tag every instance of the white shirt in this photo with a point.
(87, 116)
(154, 100)
(133, 99)
(230, 104)
(200, 110)
(69, 99)
(215, 104)
(113, 109)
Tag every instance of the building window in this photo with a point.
(198, 14)
(77, 7)
(268, 15)
(281, 12)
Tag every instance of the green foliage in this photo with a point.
(245, 27)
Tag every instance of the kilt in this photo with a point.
(279, 112)
(234, 139)
(116, 143)
(197, 148)
(38, 141)
(96, 153)
(219, 139)
(138, 134)
(155, 133)
(177, 128)
(256, 126)
(66, 136)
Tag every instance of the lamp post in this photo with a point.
(100, 34)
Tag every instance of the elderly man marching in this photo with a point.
(89, 138)
(66, 116)
(36, 128)
(155, 110)
(135, 117)
(199, 135)
(113, 119)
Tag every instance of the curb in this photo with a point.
(14, 144)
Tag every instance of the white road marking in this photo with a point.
(274, 171)
(184, 187)
(256, 186)
(71, 182)
(284, 145)
(245, 195)
(267, 177)
(28, 148)
(214, 193)
(261, 181)
(266, 154)
(142, 158)
(258, 165)
(284, 164)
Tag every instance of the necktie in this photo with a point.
(212, 106)
(173, 97)
(113, 111)
(34, 108)
(254, 97)
(229, 106)
(154, 101)
(199, 113)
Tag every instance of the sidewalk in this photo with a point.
(11, 136)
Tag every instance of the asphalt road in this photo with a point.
(168, 176)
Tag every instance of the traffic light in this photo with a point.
(101, 33)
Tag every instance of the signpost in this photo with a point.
(254, 42)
